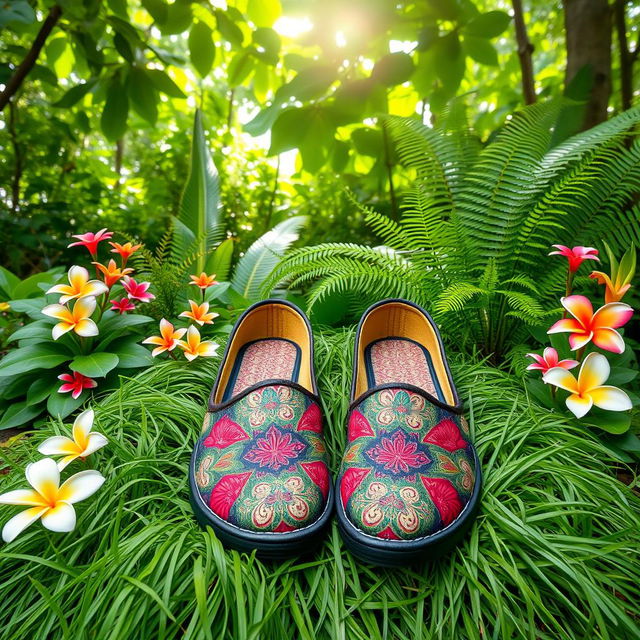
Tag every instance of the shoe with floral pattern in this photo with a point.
(258, 472)
(410, 479)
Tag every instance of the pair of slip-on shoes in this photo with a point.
(409, 481)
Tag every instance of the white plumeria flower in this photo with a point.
(83, 444)
(79, 286)
(49, 501)
(588, 388)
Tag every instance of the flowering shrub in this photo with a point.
(586, 395)
(82, 331)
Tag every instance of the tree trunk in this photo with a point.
(627, 58)
(23, 69)
(525, 49)
(588, 32)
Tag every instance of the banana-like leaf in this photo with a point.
(219, 262)
(263, 255)
(199, 217)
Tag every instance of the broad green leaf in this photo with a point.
(30, 287)
(488, 25)
(38, 329)
(162, 82)
(16, 11)
(368, 141)
(481, 50)
(41, 388)
(200, 204)
(256, 265)
(19, 413)
(32, 307)
(41, 356)
(131, 355)
(14, 386)
(144, 98)
(179, 16)
(8, 281)
(219, 262)
(449, 62)
(75, 94)
(241, 65)
(123, 46)
(229, 30)
(263, 121)
(113, 121)
(392, 69)
(201, 48)
(60, 405)
(610, 421)
(264, 13)
(309, 84)
(94, 365)
(111, 326)
(157, 9)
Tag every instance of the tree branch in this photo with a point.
(525, 49)
(23, 69)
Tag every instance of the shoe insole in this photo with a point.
(401, 361)
(268, 359)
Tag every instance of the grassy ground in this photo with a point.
(554, 552)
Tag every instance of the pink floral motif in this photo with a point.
(311, 419)
(275, 449)
(351, 480)
(319, 475)
(358, 426)
(446, 435)
(226, 492)
(224, 433)
(398, 454)
(445, 497)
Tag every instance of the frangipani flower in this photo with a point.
(599, 327)
(548, 360)
(84, 442)
(125, 250)
(77, 318)
(76, 383)
(193, 347)
(576, 256)
(79, 286)
(5, 306)
(111, 272)
(621, 274)
(588, 389)
(168, 339)
(203, 280)
(199, 313)
(137, 290)
(90, 240)
(48, 500)
(122, 306)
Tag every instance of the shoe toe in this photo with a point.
(260, 463)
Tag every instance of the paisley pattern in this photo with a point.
(260, 463)
(409, 468)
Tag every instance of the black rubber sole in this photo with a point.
(269, 546)
(402, 553)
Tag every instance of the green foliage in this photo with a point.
(553, 548)
(478, 222)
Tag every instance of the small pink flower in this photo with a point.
(122, 306)
(575, 256)
(90, 240)
(76, 383)
(138, 291)
(548, 360)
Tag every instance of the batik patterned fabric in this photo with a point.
(260, 463)
(408, 470)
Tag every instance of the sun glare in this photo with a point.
(292, 27)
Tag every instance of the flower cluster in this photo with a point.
(48, 500)
(83, 301)
(588, 328)
(193, 346)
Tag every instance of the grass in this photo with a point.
(554, 552)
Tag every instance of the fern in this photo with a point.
(477, 224)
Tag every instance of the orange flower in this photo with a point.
(194, 347)
(111, 273)
(203, 280)
(622, 274)
(125, 250)
(199, 313)
(167, 340)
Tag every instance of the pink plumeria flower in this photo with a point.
(48, 500)
(122, 306)
(575, 256)
(83, 441)
(548, 360)
(589, 389)
(587, 326)
(76, 383)
(91, 240)
(138, 290)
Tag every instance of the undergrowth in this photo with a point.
(553, 553)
